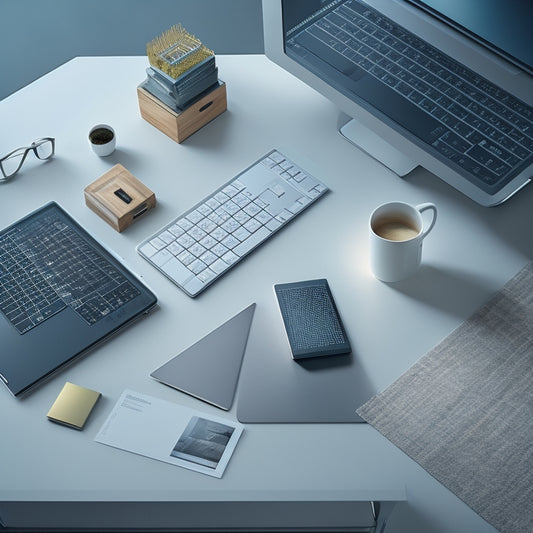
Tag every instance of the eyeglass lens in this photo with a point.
(12, 163)
(43, 149)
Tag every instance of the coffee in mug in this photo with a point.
(397, 231)
(102, 139)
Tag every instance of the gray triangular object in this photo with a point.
(209, 369)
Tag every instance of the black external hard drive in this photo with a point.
(312, 322)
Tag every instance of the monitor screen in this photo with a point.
(503, 26)
(423, 80)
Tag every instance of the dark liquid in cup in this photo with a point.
(101, 136)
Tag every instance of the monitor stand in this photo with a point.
(371, 143)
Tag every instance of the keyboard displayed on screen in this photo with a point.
(466, 120)
(203, 243)
(47, 265)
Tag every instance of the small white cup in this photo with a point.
(102, 139)
(397, 231)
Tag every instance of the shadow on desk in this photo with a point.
(449, 289)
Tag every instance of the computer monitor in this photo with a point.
(442, 84)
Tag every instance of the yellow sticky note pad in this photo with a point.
(73, 405)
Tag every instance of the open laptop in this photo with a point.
(60, 294)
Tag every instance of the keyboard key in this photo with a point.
(206, 275)
(194, 285)
(208, 242)
(185, 240)
(176, 230)
(197, 233)
(197, 266)
(263, 217)
(167, 237)
(157, 243)
(219, 234)
(284, 216)
(161, 257)
(148, 250)
(295, 207)
(273, 224)
(230, 225)
(212, 203)
(208, 257)
(230, 258)
(219, 266)
(219, 249)
(207, 225)
(230, 190)
(221, 198)
(177, 271)
(174, 248)
(205, 210)
(186, 258)
(230, 241)
(249, 244)
(195, 216)
(231, 207)
(253, 208)
(241, 234)
(185, 224)
(252, 225)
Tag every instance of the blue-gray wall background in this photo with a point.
(37, 36)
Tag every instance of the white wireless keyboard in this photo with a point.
(203, 243)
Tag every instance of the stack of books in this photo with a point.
(181, 69)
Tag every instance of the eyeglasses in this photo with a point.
(10, 164)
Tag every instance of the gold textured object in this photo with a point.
(73, 405)
(176, 51)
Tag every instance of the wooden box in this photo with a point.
(179, 126)
(119, 197)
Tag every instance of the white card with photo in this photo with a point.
(170, 433)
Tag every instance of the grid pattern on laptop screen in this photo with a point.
(46, 265)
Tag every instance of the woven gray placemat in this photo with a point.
(464, 411)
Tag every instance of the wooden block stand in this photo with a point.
(119, 197)
(179, 126)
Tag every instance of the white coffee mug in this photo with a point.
(397, 231)
(102, 139)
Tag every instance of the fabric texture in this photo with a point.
(464, 411)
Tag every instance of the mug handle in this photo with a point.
(424, 207)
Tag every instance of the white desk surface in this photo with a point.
(470, 254)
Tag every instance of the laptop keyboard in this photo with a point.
(45, 266)
(202, 244)
(468, 121)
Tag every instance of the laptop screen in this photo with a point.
(61, 293)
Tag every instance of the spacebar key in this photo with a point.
(177, 271)
(251, 242)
